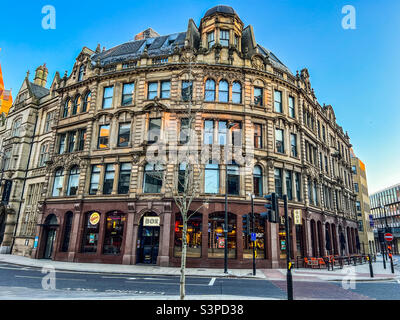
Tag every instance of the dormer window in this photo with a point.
(210, 39)
(16, 128)
(224, 38)
(81, 72)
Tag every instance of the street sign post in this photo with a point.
(388, 237)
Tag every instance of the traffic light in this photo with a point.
(273, 208)
(390, 250)
(246, 224)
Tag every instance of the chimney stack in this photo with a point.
(41, 76)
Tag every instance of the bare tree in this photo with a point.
(184, 187)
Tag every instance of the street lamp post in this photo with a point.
(226, 222)
(253, 230)
(387, 229)
(230, 125)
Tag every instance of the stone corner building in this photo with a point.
(96, 188)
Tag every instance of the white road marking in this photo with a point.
(38, 277)
(173, 284)
(212, 281)
(14, 268)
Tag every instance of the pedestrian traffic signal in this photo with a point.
(272, 213)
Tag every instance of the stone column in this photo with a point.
(129, 256)
(204, 235)
(309, 237)
(165, 232)
(274, 238)
(76, 232)
(10, 222)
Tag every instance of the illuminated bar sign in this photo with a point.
(151, 221)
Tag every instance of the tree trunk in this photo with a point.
(183, 258)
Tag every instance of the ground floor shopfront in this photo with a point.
(150, 232)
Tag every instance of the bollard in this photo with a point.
(371, 272)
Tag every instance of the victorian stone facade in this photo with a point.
(25, 140)
(97, 187)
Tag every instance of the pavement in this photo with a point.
(353, 273)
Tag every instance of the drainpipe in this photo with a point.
(23, 185)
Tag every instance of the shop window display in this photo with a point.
(193, 236)
(91, 233)
(260, 238)
(114, 233)
(216, 235)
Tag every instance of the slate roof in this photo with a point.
(39, 91)
(275, 61)
(164, 46)
(220, 9)
(158, 46)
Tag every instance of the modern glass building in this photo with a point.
(385, 209)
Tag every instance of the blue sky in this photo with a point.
(353, 70)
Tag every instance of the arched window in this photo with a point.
(193, 236)
(77, 103)
(58, 182)
(73, 181)
(153, 178)
(257, 181)
(259, 230)
(313, 238)
(91, 232)
(223, 91)
(67, 107)
(67, 231)
(236, 92)
(210, 90)
(216, 240)
(16, 130)
(86, 101)
(114, 233)
(81, 72)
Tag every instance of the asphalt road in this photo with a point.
(24, 283)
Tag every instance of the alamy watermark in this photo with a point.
(49, 280)
(49, 20)
(349, 281)
(349, 20)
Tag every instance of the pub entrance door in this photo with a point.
(148, 242)
(50, 231)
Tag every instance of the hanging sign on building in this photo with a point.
(94, 218)
(151, 221)
(297, 216)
